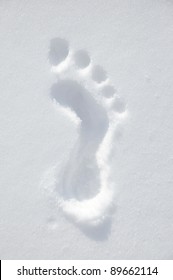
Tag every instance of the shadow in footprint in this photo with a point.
(81, 176)
(94, 118)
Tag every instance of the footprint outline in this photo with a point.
(94, 102)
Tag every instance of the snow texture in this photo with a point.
(86, 129)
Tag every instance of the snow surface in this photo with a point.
(86, 129)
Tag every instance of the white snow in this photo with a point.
(86, 154)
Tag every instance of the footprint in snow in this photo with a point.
(84, 189)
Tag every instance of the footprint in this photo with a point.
(83, 186)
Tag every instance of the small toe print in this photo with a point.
(59, 50)
(118, 105)
(82, 59)
(98, 74)
(108, 91)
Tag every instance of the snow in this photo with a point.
(86, 129)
